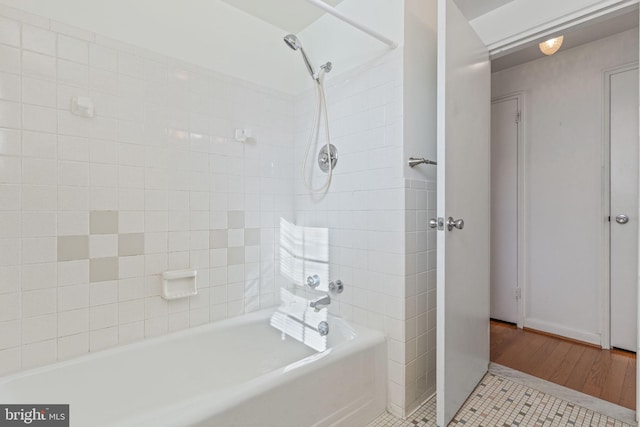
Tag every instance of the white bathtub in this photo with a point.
(239, 372)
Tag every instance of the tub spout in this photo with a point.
(320, 302)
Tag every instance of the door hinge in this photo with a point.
(518, 117)
(609, 219)
(518, 293)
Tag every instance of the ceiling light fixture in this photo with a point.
(551, 46)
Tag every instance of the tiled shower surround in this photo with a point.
(420, 298)
(377, 222)
(93, 210)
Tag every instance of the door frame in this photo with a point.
(521, 266)
(548, 29)
(605, 288)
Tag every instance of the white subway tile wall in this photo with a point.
(379, 244)
(93, 210)
(420, 298)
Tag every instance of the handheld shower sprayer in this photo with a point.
(328, 156)
(294, 43)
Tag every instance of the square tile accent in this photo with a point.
(103, 269)
(72, 248)
(103, 222)
(235, 238)
(131, 244)
(235, 219)
(497, 401)
(218, 239)
(251, 236)
(235, 256)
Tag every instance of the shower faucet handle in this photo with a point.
(326, 156)
(313, 281)
(323, 328)
(336, 287)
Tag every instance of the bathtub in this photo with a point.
(238, 372)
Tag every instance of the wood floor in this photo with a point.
(606, 374)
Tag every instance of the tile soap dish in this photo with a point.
(179, 284)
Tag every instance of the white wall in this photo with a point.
(364, 208)
(381, 111)
(217, 36)
(563, 119)
(376, 219)
(211, 34)
(419, 104)
(159, 161)
(420, 84)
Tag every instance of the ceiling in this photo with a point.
(573, 37)
(473, 8)
(296, 15)
(290, 15)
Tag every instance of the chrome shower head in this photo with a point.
(294, 43)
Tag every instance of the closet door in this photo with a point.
(624, 207)
(504, 209)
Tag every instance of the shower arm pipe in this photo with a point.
(415, 161)
(332, 11)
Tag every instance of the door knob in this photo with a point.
(622, 219)
(458, 223)
(433, 223)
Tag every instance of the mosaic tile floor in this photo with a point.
(498, 402)
(423, 417)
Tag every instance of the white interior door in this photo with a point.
(504, 209)
(624, 207)
(464, 99)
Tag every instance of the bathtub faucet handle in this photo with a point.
(313, 281)
(336, 287)
(323, 328)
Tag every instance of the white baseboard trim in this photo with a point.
(552, 328)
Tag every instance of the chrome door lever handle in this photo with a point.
(458, 223)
